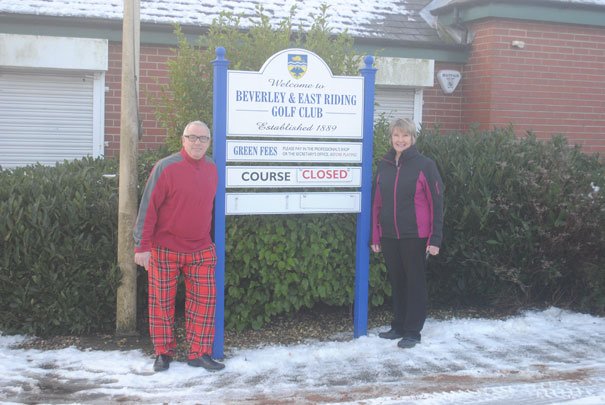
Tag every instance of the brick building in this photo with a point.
(539, 65)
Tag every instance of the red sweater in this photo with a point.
(176, 207)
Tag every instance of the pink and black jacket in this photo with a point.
(408, 198)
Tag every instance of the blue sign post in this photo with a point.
(294, 95)
(219, 154)
(362, 256)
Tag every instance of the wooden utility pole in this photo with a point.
(126, 313)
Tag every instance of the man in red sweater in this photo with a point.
(172, 235)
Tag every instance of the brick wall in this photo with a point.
(554, 84)
(439, 109)
(153, 74)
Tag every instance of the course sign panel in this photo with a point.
(294, 95)
(297, 176)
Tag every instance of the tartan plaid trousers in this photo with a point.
(200, 299)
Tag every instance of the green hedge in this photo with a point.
(524, 225)
(58, 245)
(279, 264)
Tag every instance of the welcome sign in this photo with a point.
(294, 95)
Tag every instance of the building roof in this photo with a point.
(401, 22)
(446, 4)
(396, 20)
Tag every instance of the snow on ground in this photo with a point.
(540, 357)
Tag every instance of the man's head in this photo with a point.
(196, 139)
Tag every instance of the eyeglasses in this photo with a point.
(194, 138)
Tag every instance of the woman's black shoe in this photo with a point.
(408, 342)
(391, 334)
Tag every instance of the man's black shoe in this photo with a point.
(207, 362)
(391, 334)
(162, 362)
(408, 342)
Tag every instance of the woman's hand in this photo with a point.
(432, 250)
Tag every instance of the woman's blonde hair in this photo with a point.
(405, 125)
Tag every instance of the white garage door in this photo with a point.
(45, 116)
(395, 102)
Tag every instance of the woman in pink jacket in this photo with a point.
(407, 226)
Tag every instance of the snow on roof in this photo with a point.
(398, 20)
(436, 4)
(394, 19)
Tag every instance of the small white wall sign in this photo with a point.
(448, 80)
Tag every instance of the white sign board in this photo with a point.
(292, 203)
(288, 151)
(293, 176)
(294, 95)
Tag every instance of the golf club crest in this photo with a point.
(297, 65)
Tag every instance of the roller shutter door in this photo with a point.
(45, 117)
(394, 102)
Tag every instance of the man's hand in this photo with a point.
(142, 259)
(375, 248)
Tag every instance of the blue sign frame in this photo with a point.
(362, 261)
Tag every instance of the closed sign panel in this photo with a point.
(299, 176)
